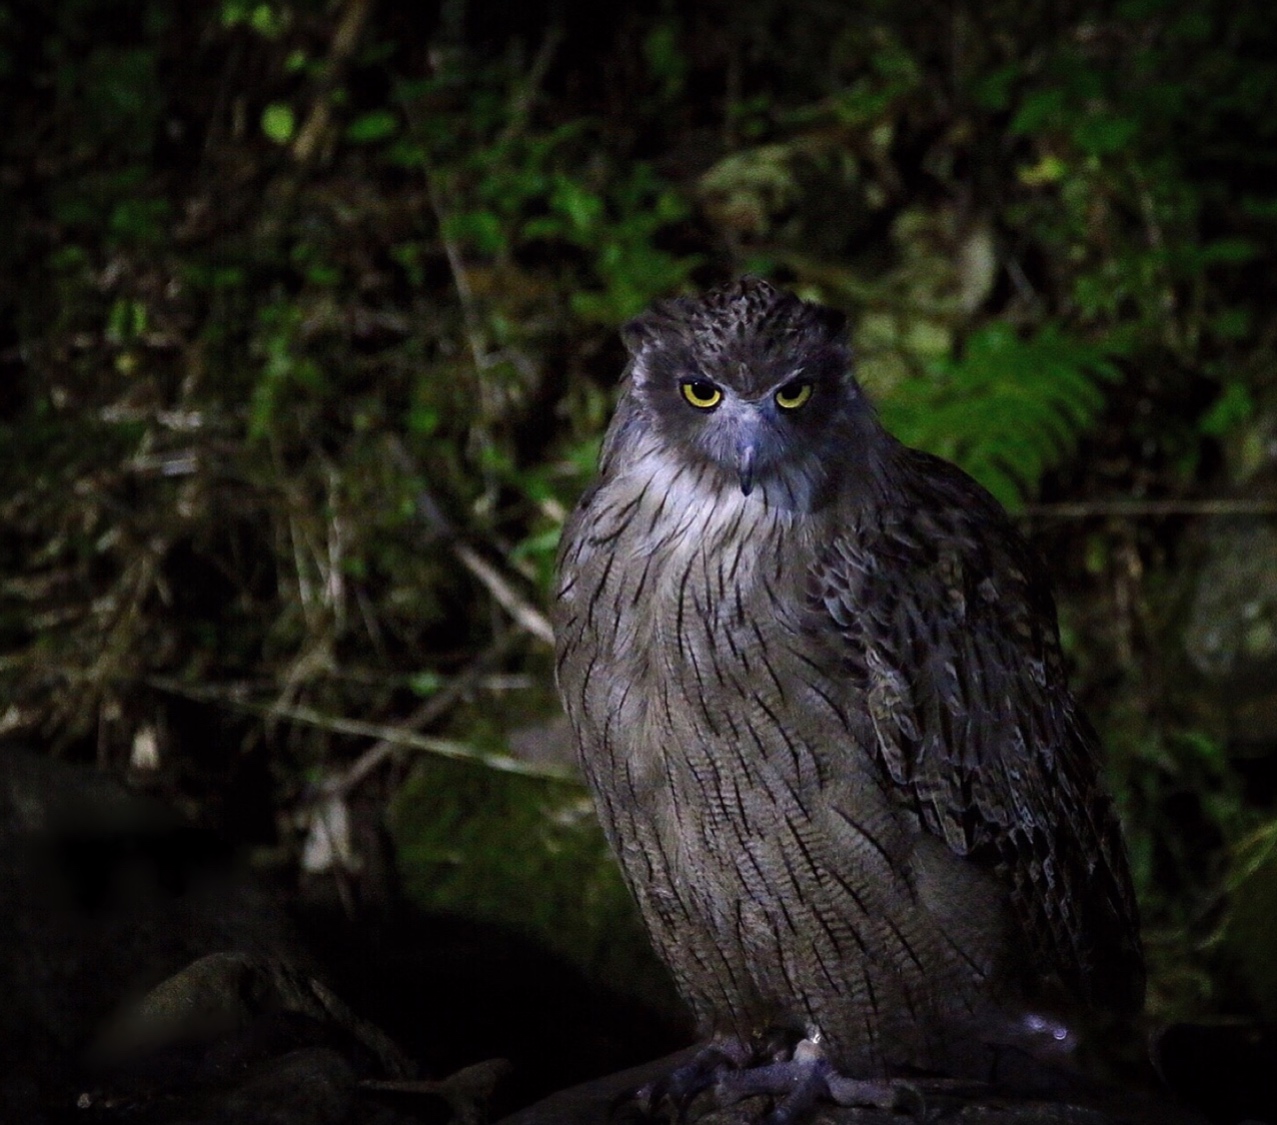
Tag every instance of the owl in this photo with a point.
(815, 681)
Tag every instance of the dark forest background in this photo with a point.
(308, 334)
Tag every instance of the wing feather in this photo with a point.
(947, 632)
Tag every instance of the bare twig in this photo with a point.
(525, 97)
(337, 724)
(525, 615)
(460, 277)
(430, 711)
(343, 44)
(1143, 509)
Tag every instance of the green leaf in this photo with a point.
(665, 61)
(1103, 134)
(425, 683)
(267, 21)
(482, 229)
(1233, 407)
(993, 90)
(1039, 110)
(1229, 251)
(582, 207)
(423, 420)
(372, 127)
(279, 123)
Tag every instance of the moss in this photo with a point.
(527, 854)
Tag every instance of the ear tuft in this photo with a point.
(636, 334)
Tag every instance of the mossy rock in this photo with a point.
(1250, 934)
(528, 854)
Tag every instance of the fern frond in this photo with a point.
(1008, 409)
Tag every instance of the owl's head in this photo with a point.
(755, 383)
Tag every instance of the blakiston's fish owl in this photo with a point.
(816, 684)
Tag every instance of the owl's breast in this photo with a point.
(680, 640)
(734, 779)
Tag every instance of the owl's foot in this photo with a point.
(801, 1081)
(680, 1087)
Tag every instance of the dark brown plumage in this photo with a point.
(816, 684)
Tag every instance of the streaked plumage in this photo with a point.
(817, 690)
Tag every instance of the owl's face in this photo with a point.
(755, 385)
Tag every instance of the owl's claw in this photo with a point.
(680, 1087)
(796, 1078)
(800, 1082)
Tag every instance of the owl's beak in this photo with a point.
(747, 454)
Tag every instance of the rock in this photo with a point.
(1230, 636)
(124, 927)
(1232, 626)
(224, 994)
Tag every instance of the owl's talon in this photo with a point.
(802, 1081)
(679, 1088)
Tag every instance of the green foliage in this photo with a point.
(1008, 409)
(503, 190)
(265, 19)
(262, 385)
(1234, 407)
(282, 368)
(1114, 139)
(1179, 777)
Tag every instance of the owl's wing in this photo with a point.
(946, 631)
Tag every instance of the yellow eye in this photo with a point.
(701, 393)
(793, 395)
